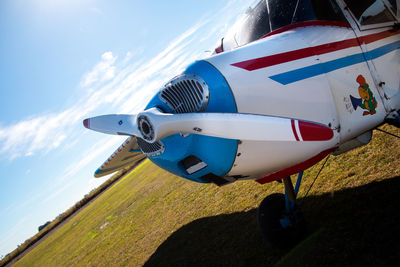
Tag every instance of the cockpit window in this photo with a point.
(327, 10)
(269, 15)
(281, 12)
(369, 11)
(286, 12)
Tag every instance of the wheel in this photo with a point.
(278, 228)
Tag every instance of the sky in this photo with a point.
(62, 61)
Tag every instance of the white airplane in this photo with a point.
(293, 82)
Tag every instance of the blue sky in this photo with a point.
(64, 60)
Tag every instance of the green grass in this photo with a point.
(153, 218)
(71, 211)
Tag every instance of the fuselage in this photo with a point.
(327, 72)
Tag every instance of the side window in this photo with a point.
(369, 12)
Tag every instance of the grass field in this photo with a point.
(153, 218)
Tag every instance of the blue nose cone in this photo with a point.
(196, 157)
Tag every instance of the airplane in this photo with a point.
(291, 83)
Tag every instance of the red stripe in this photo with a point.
(367, 39)
(294, 130)
(267, 61)
(314, 132)
(296, 168)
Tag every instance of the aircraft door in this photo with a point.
(375, 23)
(358, 102)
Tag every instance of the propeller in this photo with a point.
(153, 125)
(120, 124)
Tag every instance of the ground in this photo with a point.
(153, 218)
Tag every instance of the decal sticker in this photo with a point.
(367, 100)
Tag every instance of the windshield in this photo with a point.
(253, 25)
(269, 15)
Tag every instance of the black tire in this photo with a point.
(270, 212)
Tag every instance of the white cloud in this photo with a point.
(40, 133)
(103, 71)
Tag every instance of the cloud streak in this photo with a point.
(105, 85)
(103, 71)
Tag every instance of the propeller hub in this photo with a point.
(145, 128)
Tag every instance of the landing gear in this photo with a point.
(280, 220)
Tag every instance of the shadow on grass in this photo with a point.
(357, 227)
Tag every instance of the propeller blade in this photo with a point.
(153, 125)
(233, 126)
(113, 124)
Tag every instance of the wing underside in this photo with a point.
(128, 153)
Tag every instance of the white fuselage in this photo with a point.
(309, 73)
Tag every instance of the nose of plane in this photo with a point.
(200, 88)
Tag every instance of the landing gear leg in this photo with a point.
(280, 220)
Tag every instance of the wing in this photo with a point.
(128, 153)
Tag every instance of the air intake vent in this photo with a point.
(150, 149)
(186, 93)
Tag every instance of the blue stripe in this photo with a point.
(321, 68)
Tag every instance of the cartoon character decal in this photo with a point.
(367, 100)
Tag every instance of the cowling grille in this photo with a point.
(150, 149)
(185, 93)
